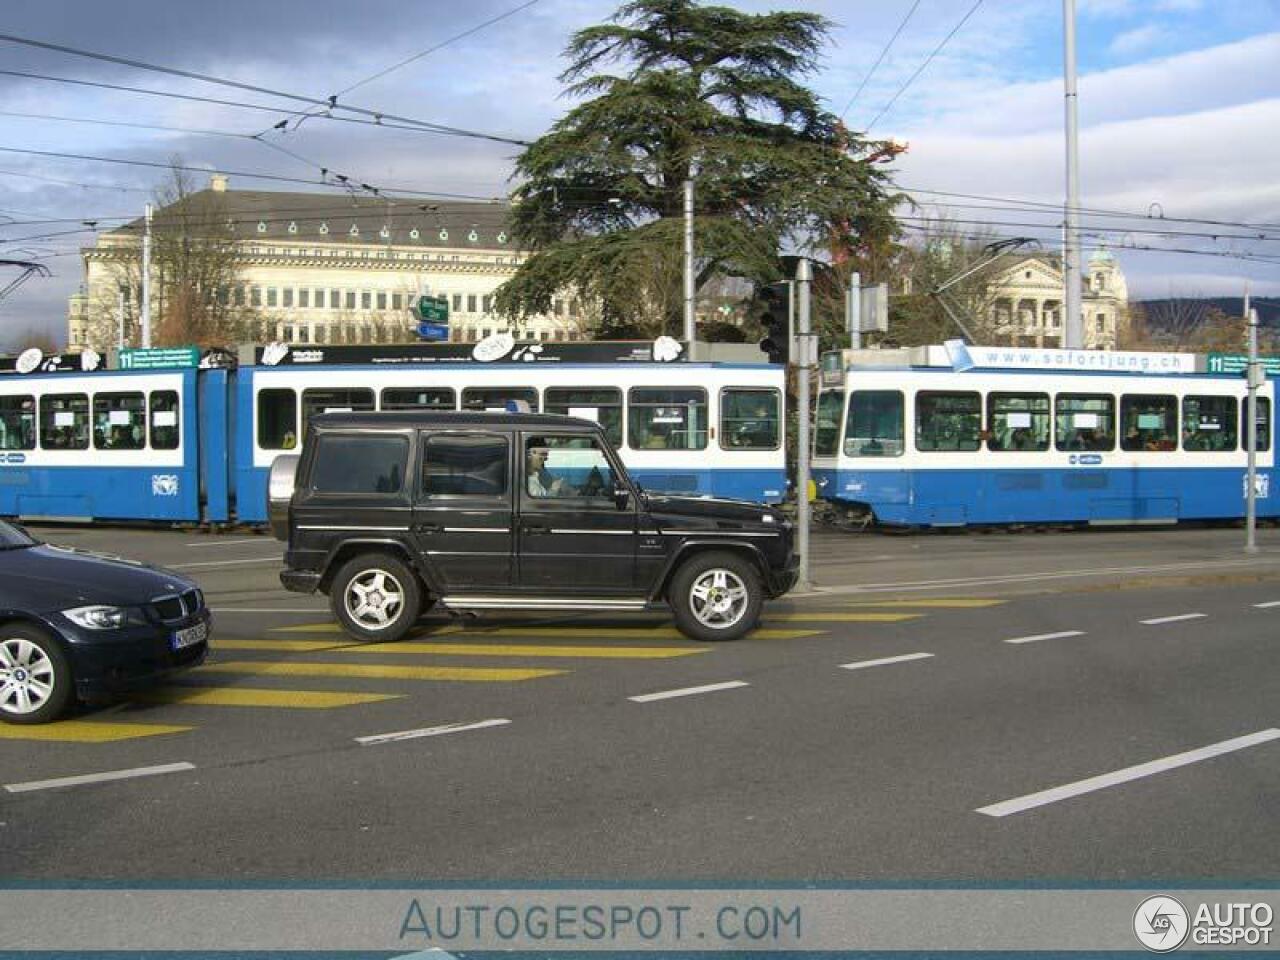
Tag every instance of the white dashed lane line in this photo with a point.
(689, 691)
(1062, 635)
(430, 731)
(884, 661)
(106, 777)
(1177, 619)
(1092, 784)
(1268, 605)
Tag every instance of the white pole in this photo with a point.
(853, 310)
(1251, 493)
(688, 267)
(146, 280)
(120, 319)
(804, 279)
(1073, 324)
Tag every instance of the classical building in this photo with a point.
(332, 268)
(1026, 300)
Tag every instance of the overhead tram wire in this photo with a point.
(1093, 229)
(879, 60)
(928, 60)
(330, 102)
(418, 56)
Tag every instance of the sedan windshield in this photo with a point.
(12, 538)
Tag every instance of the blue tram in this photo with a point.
(934, 438)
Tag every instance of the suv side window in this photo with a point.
(465, 465)
(359, 464)
(569, 466)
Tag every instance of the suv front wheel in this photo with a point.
(375, 596)
(716, 596)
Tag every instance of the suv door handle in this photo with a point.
(535, 526)
(428, 528)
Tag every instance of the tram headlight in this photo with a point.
(100, 617)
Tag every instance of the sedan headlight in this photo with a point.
(100, 617)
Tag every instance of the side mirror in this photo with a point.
(621, 497)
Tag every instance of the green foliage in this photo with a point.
(704, 92)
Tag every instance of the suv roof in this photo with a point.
(440, 418)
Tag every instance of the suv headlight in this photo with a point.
(98, 617)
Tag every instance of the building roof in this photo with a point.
(267, 215)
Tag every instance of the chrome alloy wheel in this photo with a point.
(718, 598)
(374, 599)
(27, 677)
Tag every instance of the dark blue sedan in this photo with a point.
(76, 625)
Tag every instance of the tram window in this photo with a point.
(495, 398)
(418, 398)
(749, 419)
(601, 404)
(165, 431)
(333, 401)
(874, 426)
(17, 423)
(1018, 421)
(1209, 423)
(277, 419)
(1085, 421)
(826, 428)
(673, 418)
(1148, 422)
(64, 421)
(119, 421)
(360, 464)
(1264, 424)
(948, 421)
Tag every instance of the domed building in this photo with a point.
(1026, 300)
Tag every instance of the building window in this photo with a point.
(272, 298)
(457, 303)
(335, 299)
(557, 308)
(366, 300)
(397, 301)
(487, 303)
(382, 301)
(255, 296)
(471, 303)
(287, 295)
(351, 299)
(1102, 323)
(304, 297)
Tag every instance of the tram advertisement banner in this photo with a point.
(616, 351)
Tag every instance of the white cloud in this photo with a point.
(1135, 41)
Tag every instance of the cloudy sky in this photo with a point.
(1179, 108)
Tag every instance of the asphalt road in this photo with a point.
(883, 728)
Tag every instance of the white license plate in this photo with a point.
(190, 636)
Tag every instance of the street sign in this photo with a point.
(434, 309)
(433, 331)
(158, 358)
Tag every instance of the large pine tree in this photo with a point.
(700, 92)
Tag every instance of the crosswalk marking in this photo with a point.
(529, 650)
(941, 603)
(843, 617)
(286, 646)
(87, 731)
(377, 671)
(248, 697)
(561, 633)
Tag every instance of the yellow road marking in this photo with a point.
(563, 633)
(245, 697)
(84, 731)
(286, 646)
(959, 603)
(843, 617)
(377, 671)
(529, 650)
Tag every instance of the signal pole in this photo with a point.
(1251, 477)
(1073, 323)
(804, 279)
(146, 280)
(689, 291)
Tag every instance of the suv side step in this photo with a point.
(540, 603)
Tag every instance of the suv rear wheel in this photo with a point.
(716, 596)
(375, 596)
(35, 675)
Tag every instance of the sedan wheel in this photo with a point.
(35, 677)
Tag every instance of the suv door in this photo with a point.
(572, 537)
(462, 514)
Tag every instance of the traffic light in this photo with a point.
(776, 320)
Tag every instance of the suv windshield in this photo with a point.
(12, 538)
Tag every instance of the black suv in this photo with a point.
(390, 513)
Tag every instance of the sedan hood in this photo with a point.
(47, 578)
(714, 511)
